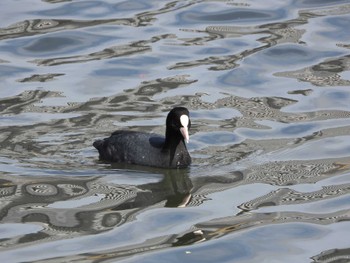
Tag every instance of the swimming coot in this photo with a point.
(148, 148)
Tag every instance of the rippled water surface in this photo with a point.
(267, 84)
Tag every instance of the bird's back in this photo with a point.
(134, 148)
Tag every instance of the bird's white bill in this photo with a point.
(184, 132)
(184, 120)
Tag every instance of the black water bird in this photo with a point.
(151, 149)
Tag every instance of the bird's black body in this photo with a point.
(149, 149)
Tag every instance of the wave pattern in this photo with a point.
(267, 88)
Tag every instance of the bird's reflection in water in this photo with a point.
(73, 206)
(174, 190)
(77, 205)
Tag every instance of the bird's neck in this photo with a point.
(174, 144)
(172, 140)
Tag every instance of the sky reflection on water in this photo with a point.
(267, 87)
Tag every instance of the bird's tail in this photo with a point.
(98, 144)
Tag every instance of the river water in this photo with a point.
(267, 85)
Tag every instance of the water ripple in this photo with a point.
(267, 87)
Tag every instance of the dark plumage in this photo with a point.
(148, 148)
